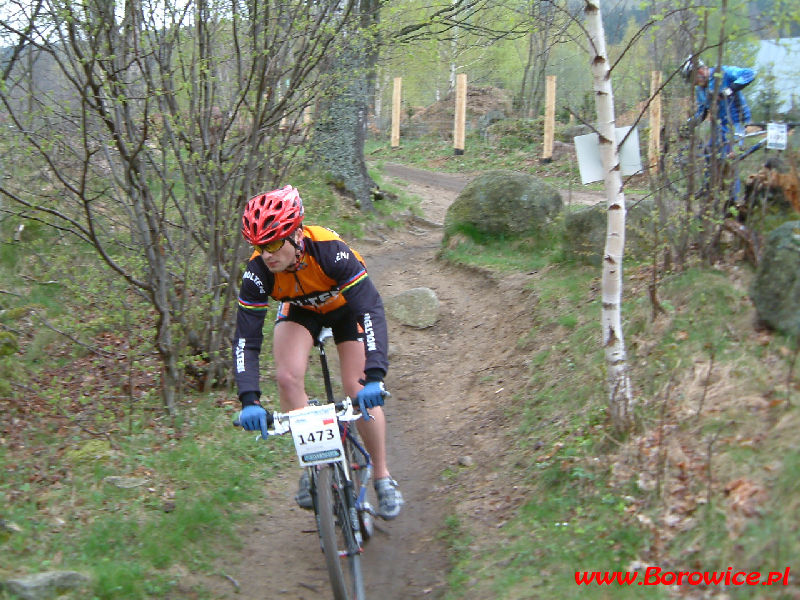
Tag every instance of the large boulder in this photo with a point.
(499, 203)
(775, 290)
(585, 231)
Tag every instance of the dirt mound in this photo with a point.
(483, 104)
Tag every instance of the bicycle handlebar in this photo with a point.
(279, 422)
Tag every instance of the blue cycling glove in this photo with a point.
(370, 396)
(253, 417)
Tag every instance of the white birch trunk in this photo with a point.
(620, 399)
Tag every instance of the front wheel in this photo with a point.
(342, 551)
(358, 470)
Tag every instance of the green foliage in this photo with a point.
(517, 134)
(99, 417)
(88, 453)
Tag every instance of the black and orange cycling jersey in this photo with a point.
(329, 276)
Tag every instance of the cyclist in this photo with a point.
(733, 113)
(320, 282)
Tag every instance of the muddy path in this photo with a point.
(444, 380)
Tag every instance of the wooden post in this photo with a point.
(654, 141)
(461, 113)
(549, 119)
(307, 113)
(396, 107)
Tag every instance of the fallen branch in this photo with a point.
(232, 580)
(751, 245)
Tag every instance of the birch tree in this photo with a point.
(620, 398)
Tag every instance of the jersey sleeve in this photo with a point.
(248, 337)
(363, 298)
(740, 77)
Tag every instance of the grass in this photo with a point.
(582, 514)
(587, 508)
(499, 255)
(706, 482)
(435, 153)
(189, 495)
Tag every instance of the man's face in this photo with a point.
(283, 258)
(701, 76)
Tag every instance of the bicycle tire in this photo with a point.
(336, 532)
(358, 465)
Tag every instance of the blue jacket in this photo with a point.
(731, 108)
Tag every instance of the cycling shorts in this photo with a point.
(343, 322)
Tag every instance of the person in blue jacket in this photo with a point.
(732, 110)
(733, 113)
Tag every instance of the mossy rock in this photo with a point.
(585, 232)
(89, 452)
(775, 290)
(503, 203)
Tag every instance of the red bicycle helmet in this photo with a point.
(272, 215)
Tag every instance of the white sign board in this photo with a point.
(776, 136)
(588, 149)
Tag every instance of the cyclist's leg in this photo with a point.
(373, 432)
(729, 166)
(739, 144)
(350, 345)
(291, 346)
(351, 360)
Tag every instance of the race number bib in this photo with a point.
(316, 435)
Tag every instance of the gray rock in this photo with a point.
(43, 586)
(125, 482)
(775, 290)
(417, 307)
(499, 203)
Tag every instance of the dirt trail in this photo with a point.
(443, 381)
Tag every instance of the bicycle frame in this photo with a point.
(344, 427)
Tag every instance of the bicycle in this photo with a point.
(339, 469)
(731, 160)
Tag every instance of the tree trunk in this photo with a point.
(620, 399)
(340, 125)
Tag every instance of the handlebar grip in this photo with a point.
(270, 420)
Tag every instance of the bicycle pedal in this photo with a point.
(367, 521)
